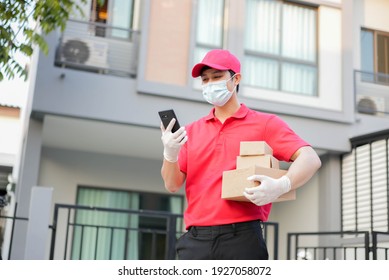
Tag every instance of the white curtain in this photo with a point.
(96, 243)
(133, 242)
(299, 78)
(280, 45)
(263, 26)
(209, 29)
(176, 208)
(261, 72)
(298, 33)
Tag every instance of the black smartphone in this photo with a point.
(166, 116)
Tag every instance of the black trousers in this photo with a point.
(240, 241)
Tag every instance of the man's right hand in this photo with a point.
(172, 142)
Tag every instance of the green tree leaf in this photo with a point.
(24, 24)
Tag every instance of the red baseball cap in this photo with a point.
(217, 59)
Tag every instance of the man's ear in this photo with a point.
(237, 77)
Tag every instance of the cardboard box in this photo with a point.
(264, 160)
(235, 182)
(255, 148)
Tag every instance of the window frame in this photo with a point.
(77, 243)
(381, 77)
(200, 49)
(281, 60)
(105, 27)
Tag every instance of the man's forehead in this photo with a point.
(212, 71)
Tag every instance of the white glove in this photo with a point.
(172, 142)
(268, 190)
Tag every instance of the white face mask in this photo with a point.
(217, 93)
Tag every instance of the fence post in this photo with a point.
(53, 232)
(374, 244)
(38, 225)
(367, 244)
(171, 237)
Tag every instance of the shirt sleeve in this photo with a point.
(283, 140)
(183, 157)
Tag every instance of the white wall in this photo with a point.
(371, 14)
(64, 170)
(300, 215)
(9, 140)
(376, 14)
(13, 93)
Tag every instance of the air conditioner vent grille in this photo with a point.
(76, 51)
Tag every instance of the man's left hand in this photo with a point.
(269, 189)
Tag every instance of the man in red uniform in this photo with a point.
(199, 153)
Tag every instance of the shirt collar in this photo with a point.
(240, 114)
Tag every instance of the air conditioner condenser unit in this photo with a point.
(84, 52)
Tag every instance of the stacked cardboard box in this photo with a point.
(255, 157)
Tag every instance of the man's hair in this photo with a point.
(232, 74)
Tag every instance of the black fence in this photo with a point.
(71, 236)
(3, 220)
(152, 236)
(338, 245)
(378, 250)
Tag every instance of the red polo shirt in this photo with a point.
(212, 148)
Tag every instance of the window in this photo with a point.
(105, 235)
(281, 46)
(365, 184)
(210, 26)
(113, 18)
(375, 55)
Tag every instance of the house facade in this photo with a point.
(93, 129)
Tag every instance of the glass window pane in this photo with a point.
(209, 30)
(383, 53)
(367, 54)
(107, 234)
(210, 23)
(263, 26)
(122, 14)
(299, 33)
(261, 72)
(280, 46)
(95, 221)
(199, 54)
(299, 78)
(383, 57)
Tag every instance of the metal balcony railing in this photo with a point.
(371, 93)
(99, 48)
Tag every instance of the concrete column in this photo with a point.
(28, 177)
(38, 223)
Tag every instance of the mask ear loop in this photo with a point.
(234, 89)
